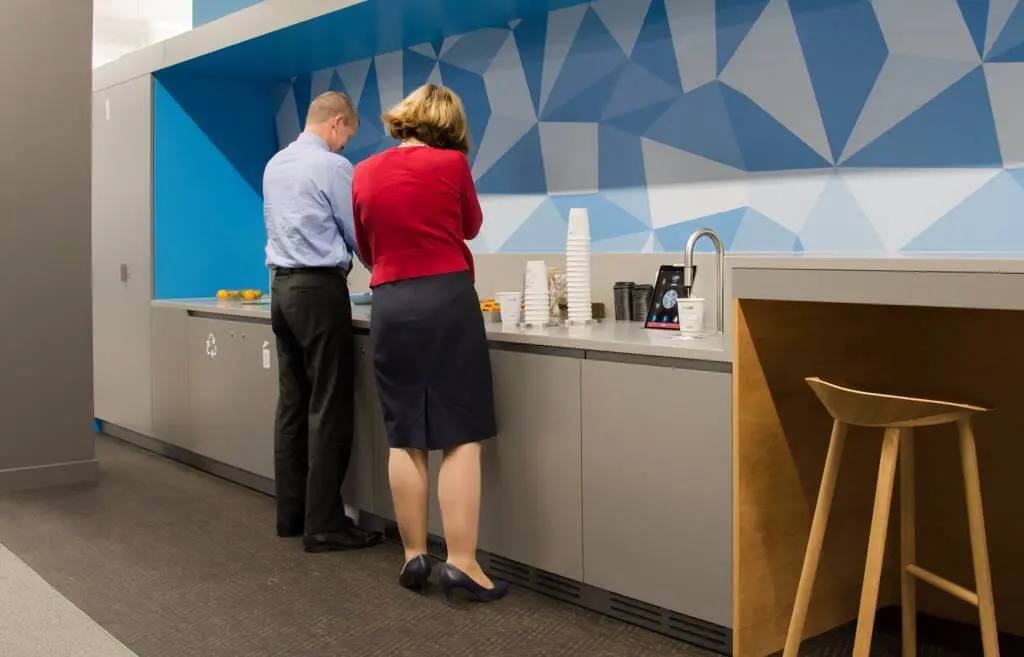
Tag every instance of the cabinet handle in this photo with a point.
(362, 350)
(125, 273)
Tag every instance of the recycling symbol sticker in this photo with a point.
(211, 346)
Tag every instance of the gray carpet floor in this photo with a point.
(35, 620)
(174, 562)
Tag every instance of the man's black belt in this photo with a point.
(289, 271)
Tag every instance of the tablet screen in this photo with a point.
(668, 290)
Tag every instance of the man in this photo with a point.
(307, 195)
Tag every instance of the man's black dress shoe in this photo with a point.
(349, 539)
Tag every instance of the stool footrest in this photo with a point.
(943, 584)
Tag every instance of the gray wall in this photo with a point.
(45, 268)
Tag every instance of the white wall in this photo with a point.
(122, 26)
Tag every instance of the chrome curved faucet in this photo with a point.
(689, 271)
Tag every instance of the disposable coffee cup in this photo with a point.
(511, 306)
(579, 224)
(691, 316)
(536, 275)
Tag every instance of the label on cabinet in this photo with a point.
(211, 346)
(266, 355)
(106, 108)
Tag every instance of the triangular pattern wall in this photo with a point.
(789, 125)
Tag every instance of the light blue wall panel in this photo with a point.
(212, 138)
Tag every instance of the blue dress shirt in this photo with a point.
(307, 206)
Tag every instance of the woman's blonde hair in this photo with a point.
(434, 115)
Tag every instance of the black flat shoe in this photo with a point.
(414, 575)
(340, 541)
(454, 581)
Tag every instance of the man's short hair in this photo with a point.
(328, 105)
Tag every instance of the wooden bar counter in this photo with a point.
(950, 329)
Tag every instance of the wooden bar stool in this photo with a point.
(898, 416)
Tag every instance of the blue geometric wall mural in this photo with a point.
(867, 126)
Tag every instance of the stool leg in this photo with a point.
(876, 543)
(908, 542)
(979, 547)
(815, 540)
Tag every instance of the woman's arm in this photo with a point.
(472, 215)
(362, 235)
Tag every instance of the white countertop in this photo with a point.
(993, 281)
(609, 336)
(954, 262)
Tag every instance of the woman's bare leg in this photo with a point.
(458, 490)
(410, 486)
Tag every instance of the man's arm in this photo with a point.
(340, 197)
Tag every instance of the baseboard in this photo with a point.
(190, 458)
(48, 476)
(657, 619)
(199, 462)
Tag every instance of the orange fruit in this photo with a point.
(223, 294)
(249, 295)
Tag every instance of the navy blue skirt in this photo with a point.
(432, 363)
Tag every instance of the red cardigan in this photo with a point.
(414, 209)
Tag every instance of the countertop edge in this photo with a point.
(525, 337)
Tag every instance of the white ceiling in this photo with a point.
(121, 26)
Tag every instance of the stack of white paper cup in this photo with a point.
(577, 266)
(536, 293)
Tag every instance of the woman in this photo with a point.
(415, 206)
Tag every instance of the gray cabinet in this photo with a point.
(122, 268)
(360, 488)
(232, 396)
(214, 396)
(370, 428)
(657, 486)
(531, 502)
(171, 417)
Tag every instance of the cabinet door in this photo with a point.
(370, 429)
(530, 508)
(171, 420)
(232, 397)
(255, 401)
(657, 486)
(122, 275)
(360, 481)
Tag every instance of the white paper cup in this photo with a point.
(579, 223)
(691, 316)
(536, 275)
(511, 306)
